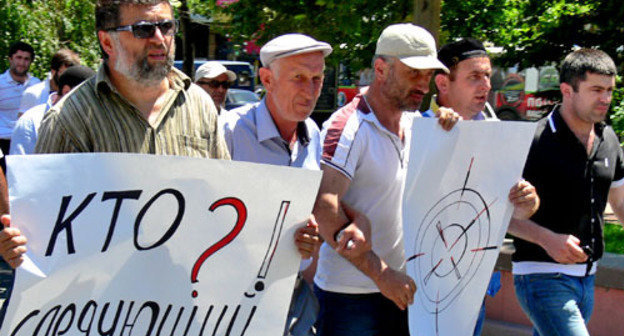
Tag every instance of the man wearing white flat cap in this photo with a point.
(215, 79)
(360, 282)
(277, 130)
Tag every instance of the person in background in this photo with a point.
(25, 132)
(216, 79)
(39, 93)
(13, 83)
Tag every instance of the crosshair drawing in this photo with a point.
(449, 246)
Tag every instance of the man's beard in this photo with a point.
(141, 71)
(18, 74)
(399, 98)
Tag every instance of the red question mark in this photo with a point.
(241, 212)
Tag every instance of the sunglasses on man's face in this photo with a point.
(145, 29)
(215, 84)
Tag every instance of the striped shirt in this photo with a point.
(94, 117)
(10, 96)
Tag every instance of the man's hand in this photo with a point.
(12, 243)
(525, 200)
(307, 238)
(564, 248)
(397, 286)
(355, 239)
(447, 118)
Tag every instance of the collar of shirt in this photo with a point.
(266, 128)
(559, 127)
(369, 116)
(6, 76)
(52, 98)
(434, 107)
(177, 79)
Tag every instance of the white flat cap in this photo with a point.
(213, 69)
(413, 45)
(289, 45)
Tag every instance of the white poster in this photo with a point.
(128, 244)
(456, 213)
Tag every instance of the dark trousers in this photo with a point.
(359, 315)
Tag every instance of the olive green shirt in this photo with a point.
(94, 117)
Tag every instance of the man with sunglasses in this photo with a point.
(216, 80)
(137, 102)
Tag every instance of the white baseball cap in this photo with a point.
(413, 45)
(213, 69)
(289, 45)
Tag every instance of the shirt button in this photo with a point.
(592, 220)
(592, 200)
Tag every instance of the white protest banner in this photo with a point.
(129, 244)
(455, 215)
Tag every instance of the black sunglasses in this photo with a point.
(215, 84)
(146, 29)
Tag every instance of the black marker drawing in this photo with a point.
(449, 246)
(268, 257)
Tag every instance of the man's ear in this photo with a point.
(381, 68)
(106, 42)
(266, 77)
(442, 83)
(566, 89)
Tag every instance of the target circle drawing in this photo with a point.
(448, 246)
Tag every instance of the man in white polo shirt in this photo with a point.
(12, 85)
(360, 281)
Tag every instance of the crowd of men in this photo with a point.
(575, 165)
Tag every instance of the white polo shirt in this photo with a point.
(10, 97)
(375, 160)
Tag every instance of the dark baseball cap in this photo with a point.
(452, 53)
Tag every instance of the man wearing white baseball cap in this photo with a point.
(277, 130)
(360, 282)
(215, 79)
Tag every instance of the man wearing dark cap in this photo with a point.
(24, 135)
(466, 87)
(277, 130)
(465, 90)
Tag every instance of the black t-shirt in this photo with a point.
(573, 187)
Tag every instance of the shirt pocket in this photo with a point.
(193, 146)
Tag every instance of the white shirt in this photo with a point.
(24, 136)
(375, 160)
(10, 97)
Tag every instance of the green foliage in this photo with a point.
(537, 32)
(351, 27)
(617, 109)
(614, 238)
(49, 25)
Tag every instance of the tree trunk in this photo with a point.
(187, 45)
(427, 15)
